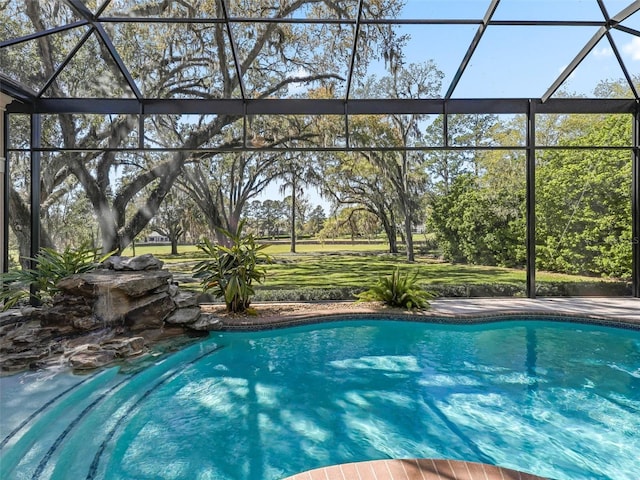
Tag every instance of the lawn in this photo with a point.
(328, 271)
(357, 270)
(275, 248)
(345, 264)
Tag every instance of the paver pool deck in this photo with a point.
(414, 469)
(601, 310)
(621, 311)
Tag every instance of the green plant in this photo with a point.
(15, 287)
(398, 290)
(229, 271)
(50, 267)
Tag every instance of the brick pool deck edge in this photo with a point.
(414, 469)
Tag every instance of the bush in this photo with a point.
(229, 272)
(50, 267)
(398, 291)
(307, 294)
(583, 289)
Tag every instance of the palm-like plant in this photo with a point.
(230, 271)
(398, 290)
(50, 267)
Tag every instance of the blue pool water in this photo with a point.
(556, 399)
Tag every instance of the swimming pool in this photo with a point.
(560, 400)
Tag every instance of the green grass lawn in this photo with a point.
(348, 270)
(356, 266)
(327, 270)
(185, 252)
(345, 264)
(275, 248)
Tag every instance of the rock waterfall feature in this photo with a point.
(100, 317)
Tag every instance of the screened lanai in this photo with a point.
(90, 86)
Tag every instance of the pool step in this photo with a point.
(83, 419)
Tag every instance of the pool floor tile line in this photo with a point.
(414, 469)
(42, 408)
(167, 376)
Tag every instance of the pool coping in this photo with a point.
(413, 469)
(618, 312)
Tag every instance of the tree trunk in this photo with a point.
(215, 222)
(174, 245)
(393, 241)
(408, 235)
(20, 222)
(390, 232)
(108, 231)
(293, 214)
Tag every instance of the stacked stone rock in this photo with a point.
(103, 315)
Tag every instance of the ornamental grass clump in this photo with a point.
(398, 290)
(229, 271)
(50, 266)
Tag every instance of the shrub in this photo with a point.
(50, 267)
(398, 291)
(307, 294)
(229, 271)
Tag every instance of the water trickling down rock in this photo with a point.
(101, 316)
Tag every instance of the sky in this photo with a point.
(514, 62)
(521, 61)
